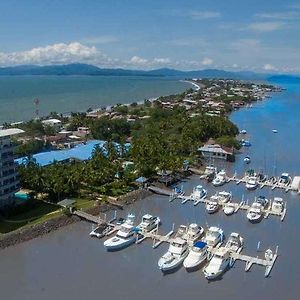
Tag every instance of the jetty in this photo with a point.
(243, 205)
(272, 182)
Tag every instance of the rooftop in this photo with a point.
(10, 131)
(80, 152)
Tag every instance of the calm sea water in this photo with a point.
(68, 264)
(76, 93)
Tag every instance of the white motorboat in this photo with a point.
(193, 233)
(263, 201)
(214, 236)
(247, 159)
(209, 173)
(243, 131)
(181, 231)
(274, 130)
(212, 205)
(220, 179)
(229, 208)
(278, 205)
(197, 255)
(198, 193)
(124, 237)
(285, 179)
(255, 212)
(251, 183)
(224, 197)
(235, 243)
(100, 230)
(148, 223)
(173, 258)
(219, 263)
(190, 233)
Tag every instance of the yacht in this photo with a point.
(219, 263)
(235, 243)
(197, 255)
(220, 179)
(99, 231)
(193, 233)
(247, 159)
(224, 197)
(190, 233)
(278, 205)
(255, 212)
(148, 223)
(173, 258)
(198, 193)
(229, 208)
(246, 143)
(285, 179)
(212, 205)
(209, 173)
(214, 236)
(124, 237)
(251, 183)
(263, 201)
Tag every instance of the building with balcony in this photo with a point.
(9, 181)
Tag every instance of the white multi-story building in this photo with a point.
(9, 181)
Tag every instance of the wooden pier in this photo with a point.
(241, 205)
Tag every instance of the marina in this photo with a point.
(169, 238)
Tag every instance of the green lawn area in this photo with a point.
(38, 213)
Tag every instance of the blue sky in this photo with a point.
(141, 34)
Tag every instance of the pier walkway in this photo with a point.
(241, 205)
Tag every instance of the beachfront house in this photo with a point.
(211, 150)
(55, 123)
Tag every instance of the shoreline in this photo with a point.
(28, 233)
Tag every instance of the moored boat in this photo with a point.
(197, 255)
(212, 205)
(220, 179)
(124, 237)
(173, 258)
(251, 183)
(214, 236)
(198, 193)
(278, 205)
(229, 208)
(148, 223)
(219, 263)
(235, 243)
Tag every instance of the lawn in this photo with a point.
(37, 212)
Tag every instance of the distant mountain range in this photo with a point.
(85, 69)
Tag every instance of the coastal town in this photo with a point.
(110, 148)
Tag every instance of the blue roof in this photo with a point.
(200, 244)
(141, 179)
(80, 152)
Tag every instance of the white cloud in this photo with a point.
(56, 53)
(269, 67)
(288, 15)
(266, 26)
(207, 61)
(204, 15)
(161, 61)
(139, 61)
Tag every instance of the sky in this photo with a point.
(252, 35)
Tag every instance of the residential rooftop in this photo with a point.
(10, 132)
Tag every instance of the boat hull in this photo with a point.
(119, 245)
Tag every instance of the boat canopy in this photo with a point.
(200, 244)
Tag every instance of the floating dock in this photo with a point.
(241, 205)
